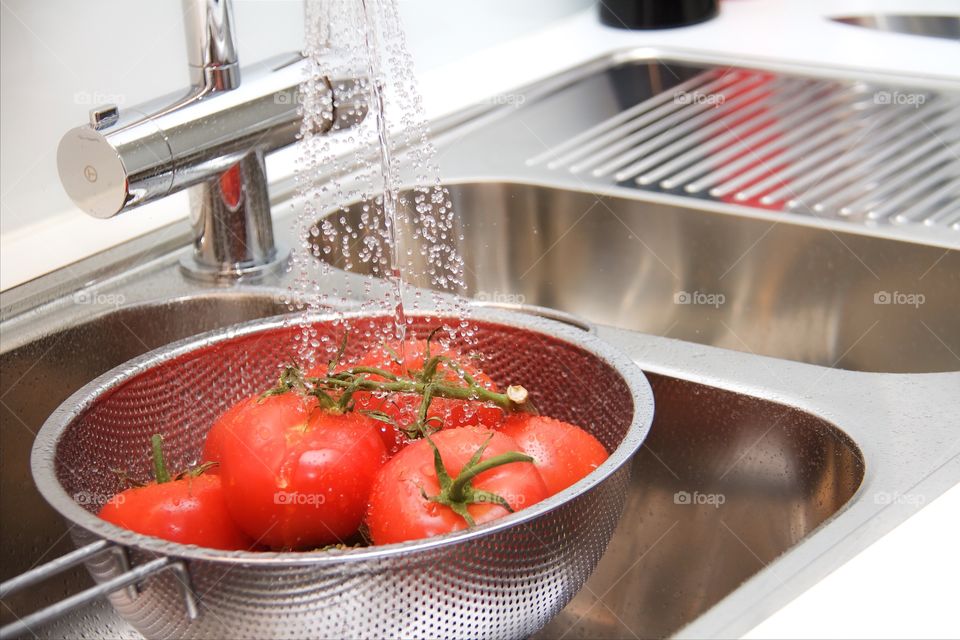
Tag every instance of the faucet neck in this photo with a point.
(230, 212)
(211, 44)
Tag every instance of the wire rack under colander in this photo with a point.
(829, 148)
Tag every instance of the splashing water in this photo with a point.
(400, 235)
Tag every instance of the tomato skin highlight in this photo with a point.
(398, 512)
(300, 480)
(188, 511)
(562, 452)
(271, 412)
(213, 445)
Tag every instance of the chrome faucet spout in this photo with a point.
(212, 139)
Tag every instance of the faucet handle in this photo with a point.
(115, 163)
(106, 115)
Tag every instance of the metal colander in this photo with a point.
(505, 579)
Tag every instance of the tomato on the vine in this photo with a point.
(189, 509)
(562, 452)
(451, 480)
(296, 477)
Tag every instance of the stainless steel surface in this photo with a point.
(815, 456)
(535, 310)
(476, 588)
(211, 138)
(53, 567)
(832, 148)
(801, 293)
(222, 248)
(913, 24)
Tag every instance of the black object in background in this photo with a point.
(656, 14)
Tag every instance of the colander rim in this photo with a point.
(42, 459)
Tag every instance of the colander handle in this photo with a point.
(126, 580)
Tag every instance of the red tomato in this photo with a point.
(403, 408)
(398, 510)
(188, 511)
(294, 480)
(562, 452)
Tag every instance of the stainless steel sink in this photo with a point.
(804, 293)
(802, 470)
(804, 405)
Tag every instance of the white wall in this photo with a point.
(60, 57)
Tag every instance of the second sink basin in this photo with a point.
(806, 293)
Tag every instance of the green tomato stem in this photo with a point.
(457, 493)
(160, 472)
(457, 490)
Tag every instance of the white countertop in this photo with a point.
(897, 587)
(902, 586)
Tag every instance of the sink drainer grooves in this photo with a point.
(829, 148)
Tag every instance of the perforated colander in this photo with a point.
(505, 579)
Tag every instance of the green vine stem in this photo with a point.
(516, 399)
(160, 472)
(292, 379)
(335, 390)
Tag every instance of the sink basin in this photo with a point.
(800, 470)
(724, 484)
(811, 294)
(37, 377)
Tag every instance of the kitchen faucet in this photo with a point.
(212, 139)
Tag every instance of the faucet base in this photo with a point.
(233, 227)
(230, 274)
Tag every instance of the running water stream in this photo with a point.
(366, 166)
(390, 214)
